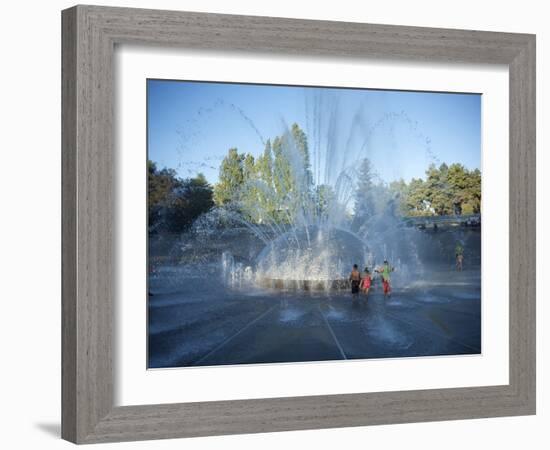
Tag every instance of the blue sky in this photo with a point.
(191, 125)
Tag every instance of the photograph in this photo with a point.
(290, 224)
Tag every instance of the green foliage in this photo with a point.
(300, 141)
(282, 173)
(365, 197)
(160, 184)
(399, 190)
(266, 201)
(231, 178)
(414, 201)
(278, 185)
(264, 164)
(174, 203)
(437, 190)
(325, 198)
(446, 190)
(271, 187)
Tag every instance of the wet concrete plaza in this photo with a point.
(202, 323)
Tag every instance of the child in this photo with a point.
(384, 272)
(366, 282)
(459, 254)
(355, 278)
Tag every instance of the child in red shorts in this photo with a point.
(384, 272)
(366, 282)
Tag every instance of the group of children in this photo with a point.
(364, 281)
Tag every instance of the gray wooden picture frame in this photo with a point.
(89, 37)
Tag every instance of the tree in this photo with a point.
(437, 189)
(187, 203)
(325, 199)
(364, 192)
(399, 192)
(473, 190)
(231, 178)
(447, 190)
(264, 191)
(301, 144)
(291, 175)
(275, 186)
(282, 173)
(160, 185)
(249, 193)
(175, 203)
(416, 202)
(458, 180)
(264, 165)
(249, 167)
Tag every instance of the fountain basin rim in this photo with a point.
(304, 285)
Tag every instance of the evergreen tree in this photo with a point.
(275, 186)
(231, 178)
(248, 196)
(285, 188)
(265, 198)
(325, 199)
(249, 167)
(364, 193)
(282, 173)
(300, 141)
(265, 165)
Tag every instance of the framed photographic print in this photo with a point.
(278, 224)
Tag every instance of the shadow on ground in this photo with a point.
(52, 429)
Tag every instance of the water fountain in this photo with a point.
(269, 268)
(305, 215)
(310, 258)
(310, 241)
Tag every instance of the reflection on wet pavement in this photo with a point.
(200, 323)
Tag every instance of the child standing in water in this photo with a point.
(459, 253)
(366, 282)
(384, 272)
(355, 278)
